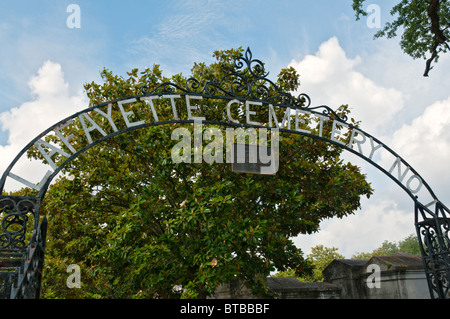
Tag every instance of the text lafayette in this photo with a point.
(293, 119)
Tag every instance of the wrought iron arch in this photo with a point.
(246, 83)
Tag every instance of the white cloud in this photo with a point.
(421, 137)
(425, 144)
(329, 78)
(51, 103)
(362, 232)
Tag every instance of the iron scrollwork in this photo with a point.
(15, 213)
(22, 242)
(247, 79)
(27, 284)
(22, 255)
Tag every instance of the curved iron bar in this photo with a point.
(150, 124)
(434, 241)
(428, 263)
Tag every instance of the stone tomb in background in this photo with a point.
(401, 276)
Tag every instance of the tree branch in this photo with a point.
(439, 37)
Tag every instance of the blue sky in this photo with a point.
(122, 35)
(44, 65)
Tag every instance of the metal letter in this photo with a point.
(359, 142)
(248, 112)
(48, 156)
(64, 139)
(172, 102)
(321, 119)
(374, 148)
(108, 116)
(401, 175)
(334, 130)
(149, 100)
(193, 107)
(28, 183)
(417, 189)
(89, 129)
(125, 114)
(229, 111)
(286, 118)
(298, 120)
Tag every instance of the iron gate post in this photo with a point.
(432, 232)
(22, 247)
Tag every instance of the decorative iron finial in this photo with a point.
(247, 79)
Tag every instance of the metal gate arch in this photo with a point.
(21, 261)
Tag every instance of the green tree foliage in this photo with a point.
(424, 25)
(408, 245)
(138, 224)
(320, 258)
